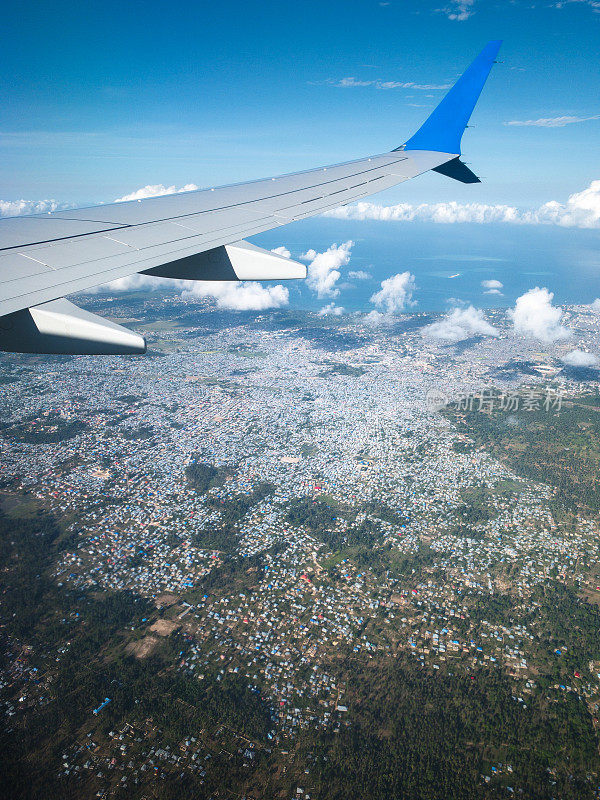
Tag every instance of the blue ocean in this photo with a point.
(449, 262)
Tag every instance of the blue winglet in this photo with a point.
(443, 130)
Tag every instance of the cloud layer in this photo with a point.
(550, 122)
(356, 83)
(18, 208)
(244, 296)
(582, 210)
(155, 190)
(534, 315)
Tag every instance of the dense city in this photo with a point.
(288, 501)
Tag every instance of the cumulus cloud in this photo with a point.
(534, 315)
(596, 304)
(245, 296)
(395, 293)
(324, 268)
(282, 251)
(359, 275)
(375, 318)
(135, 282)
(331, 310)
(460, 324)
(580, 358)
(581, 210)
(550, 122)
(155, 190)
(492, 286)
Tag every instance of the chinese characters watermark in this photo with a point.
(488, 401)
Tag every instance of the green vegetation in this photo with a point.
(203, 477)
(560, 447)
(140, 432)
(44, 429)
(381, 510)
(234, 508)
(39, 619)
(314, 514)
(418, 735)
(566, 623)
(224, 539)
(342, 369)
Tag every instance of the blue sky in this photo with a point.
(99, 99)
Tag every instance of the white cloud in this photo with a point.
(245, 296)
(582, 210)
(534, 315)
(156, 190)
(331, 309)
(375, 318)
(282, 251)
(427, 212)
(355, 83)
(579, 358)
(359, 275)
(17, 208)
(395, 293)
(492, 284)
(460, 324)
(593, 4)
(134, 282)
(324, 268)
(460, 10)
(550, 122)
(596, 304)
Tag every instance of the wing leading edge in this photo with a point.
(196, 235)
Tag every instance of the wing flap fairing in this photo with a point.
(61, 327)
(240, 261)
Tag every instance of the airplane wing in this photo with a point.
(196, 235)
